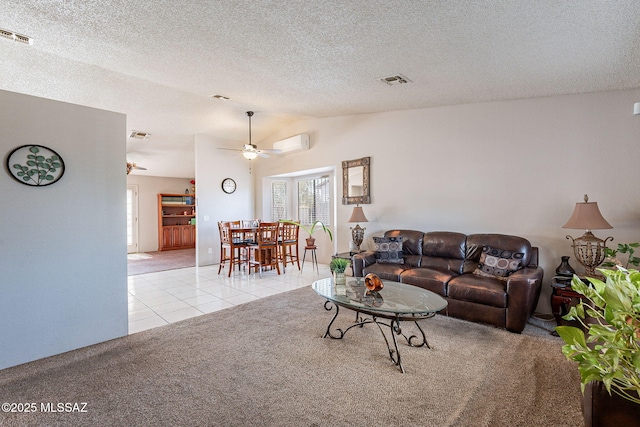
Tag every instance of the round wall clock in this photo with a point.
(35, 165)
(228, 185)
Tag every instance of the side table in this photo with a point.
(562, 295)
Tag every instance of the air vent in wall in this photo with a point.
(139, 135)
(15, 36)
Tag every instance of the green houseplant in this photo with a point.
(338, 266)
(312, 228)
(612, 259)
(608, 349)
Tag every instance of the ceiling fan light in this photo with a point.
(250, 155)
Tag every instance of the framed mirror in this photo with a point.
(355, 181)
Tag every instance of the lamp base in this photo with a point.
(357, 235)
(589, 251)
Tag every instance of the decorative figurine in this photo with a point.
(373, 282)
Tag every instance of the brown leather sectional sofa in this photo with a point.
(444, 262)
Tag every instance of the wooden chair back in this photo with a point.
(289, 233)
(267, 233)
(225, 232)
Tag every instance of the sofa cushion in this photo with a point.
(385, 271)
(444, 250)
(477, 289)
(411, 240)
(427, 278)
(389, 249)
(476, 242)
(499, 263)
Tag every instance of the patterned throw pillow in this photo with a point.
(389, 250)
(498, 263)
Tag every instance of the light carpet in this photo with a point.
(265, 363)
(151, 262)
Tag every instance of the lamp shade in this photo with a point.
(358, 215)
(587, 216)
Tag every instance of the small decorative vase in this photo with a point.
(340, 283)
(564, 269)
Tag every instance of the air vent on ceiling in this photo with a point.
(15, 36)
(139, 135)
(395, 80)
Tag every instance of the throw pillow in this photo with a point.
(389, 250)
(498, 263)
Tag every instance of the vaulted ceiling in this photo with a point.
(160, 62)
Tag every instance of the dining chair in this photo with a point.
(233, 247)
(264, 252)
(249, 227)
(250, 223)
(289, 251)
(225, 244)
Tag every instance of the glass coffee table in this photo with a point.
(395, 302)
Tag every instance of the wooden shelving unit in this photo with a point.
(176, 221)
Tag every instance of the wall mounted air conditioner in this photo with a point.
(290, 145)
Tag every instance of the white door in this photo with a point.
(132, 218)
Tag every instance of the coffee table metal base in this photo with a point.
(393, 324)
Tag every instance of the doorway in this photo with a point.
(132, 218)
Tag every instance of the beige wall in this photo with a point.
(148, 189)
(513, 167)
(212, 166)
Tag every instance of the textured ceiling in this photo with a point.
(161, 61)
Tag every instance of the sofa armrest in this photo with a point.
(361, 260)
(523, 291)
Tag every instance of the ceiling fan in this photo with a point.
(132, 165)
(250, 151)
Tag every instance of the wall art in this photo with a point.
(35, 165)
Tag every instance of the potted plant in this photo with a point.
(338, 266)
(623, 248)
(607, 348)
(311, 241)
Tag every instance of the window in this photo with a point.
(278, 200)
(314, 200)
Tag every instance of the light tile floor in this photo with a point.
(157, 299)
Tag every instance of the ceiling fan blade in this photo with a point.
(230, 149)
(263, 155)
(272, 151)
(132, 165)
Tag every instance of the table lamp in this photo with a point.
(588, 249)
(357, 232)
